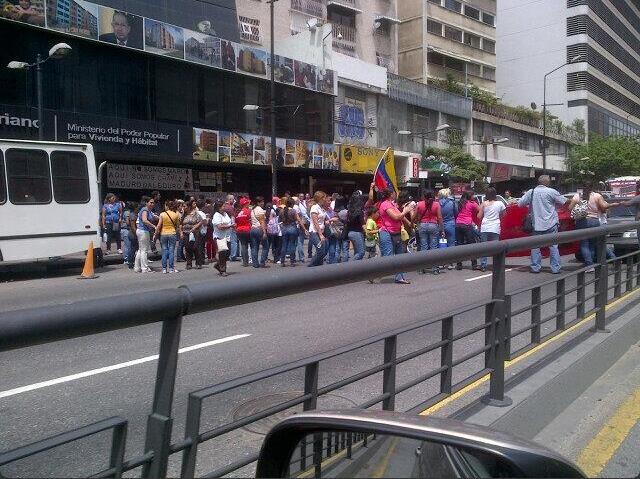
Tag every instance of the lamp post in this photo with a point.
(272, 81)
(485, 143)
(543, 147)
(423, 134)
(57, 52)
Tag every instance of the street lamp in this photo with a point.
(544, 110)
(57, 52)
(423, 134)
(486, 142)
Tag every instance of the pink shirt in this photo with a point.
(389, 224)
(467, 215)
(428, 216)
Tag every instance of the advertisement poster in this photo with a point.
(228, 52)
(360, 159)
(163, 39)
(73, 16)
(31, 12)
(305, 75)
(242, 148)
(290, 153)
(224, 149)
(284, 70)
(260, 151)
(137, 177)
(330, 159)
(304, 154)
(121, 28)
(252, 61)
(316, 162)
(205, 144)
(325, 81)
(201, 48)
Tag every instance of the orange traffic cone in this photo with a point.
(88, 271)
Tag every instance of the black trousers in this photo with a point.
(465, 235)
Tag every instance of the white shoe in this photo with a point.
(174, 271)
(592, 270)
(164, 271)
(137, 271)
(148, 270)
(119, 251)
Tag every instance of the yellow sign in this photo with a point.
(360, 159)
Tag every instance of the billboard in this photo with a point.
(360, 159)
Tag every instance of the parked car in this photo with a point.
(480, 198)
(627, 241)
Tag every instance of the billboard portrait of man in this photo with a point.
(126, 29)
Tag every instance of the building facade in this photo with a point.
(448, 38)
(601, 88)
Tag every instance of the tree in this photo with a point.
(455, 162)
(604, 158)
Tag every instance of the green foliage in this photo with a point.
(605, 158)
(460, 164)
(578, 125)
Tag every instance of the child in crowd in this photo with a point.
(371, 231)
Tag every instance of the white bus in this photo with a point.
(49, 200)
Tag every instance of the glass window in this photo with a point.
(453, 5)
(472, 12)
(473, 69)
(437, 2)
(473, 40)
(488, 19)
(434, 27)
(455, 64)
(70, 177)
(489, 73)
(3, 183)
(453, 33)
(489, 45)
(28, 176)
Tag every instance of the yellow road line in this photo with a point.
(507, 364)
(381, 470)
(604, 445)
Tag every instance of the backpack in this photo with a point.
(580, 211)
(273, 226)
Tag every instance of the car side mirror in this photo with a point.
(358, 443)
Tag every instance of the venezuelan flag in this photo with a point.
(385, 174)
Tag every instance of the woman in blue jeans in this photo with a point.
(595, 206)
(355, 228)
(390, 233)
(449, 210)
(290, 220)
(429, 218)
(168, 229)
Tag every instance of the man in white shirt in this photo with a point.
(316, 229)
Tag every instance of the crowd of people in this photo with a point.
(327, 229)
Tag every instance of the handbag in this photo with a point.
(443, 243)
(528, 224)
(222, 244)
(580, 211)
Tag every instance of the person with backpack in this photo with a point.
(428, 216)
(168, 229)
(274, 231)
(291, 221)
(337, 217)
(543, 218)
(586, 210)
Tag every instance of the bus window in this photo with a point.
(70, 177)
(3, 183)
(28, 176)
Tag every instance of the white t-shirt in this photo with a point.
(322, 216)
(257, 212)
(221, 219)
(203, 228)
(491, 218)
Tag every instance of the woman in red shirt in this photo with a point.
(467, 214)
(243, 228)
(428, 215)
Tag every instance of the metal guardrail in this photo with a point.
(29, 327)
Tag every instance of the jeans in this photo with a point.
(429, 235)
(168, 243)
(180, 255)
(588, 246)
(333, 249)
(223, 257)
(487, 236)
(300, 248)
(450, 233)
(321, 249)
(342, 251)
(257, 239)
(275, 245)
(357, 240)
(126, 246)
(244, 239)
(144, 245)
(391, 246)
(289, 242)
(111, 235)
(233, 244)
(554, 254)
(465, 235)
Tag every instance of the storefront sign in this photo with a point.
(500, 172)
(137, 177)
(416, 167)
(107, 23)
(360, 159)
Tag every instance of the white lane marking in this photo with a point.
(486, 276)
(106, 369)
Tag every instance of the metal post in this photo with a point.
(310, 387)
(507, 327)
(536, 295)
(602, 285)
(543, 147)
(560, 304)
(274, 165)
(496, 395)
(40, 100)
(580, 295)
(389, 373)
(118, 444)
(159, 422)
(446, 355)
(617, 278)
(629, 274)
